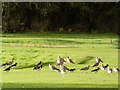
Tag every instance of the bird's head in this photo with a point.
(101, 64)
(97, 58)
(67, 57)
(40, 62)
(13, 59)
(114, 67)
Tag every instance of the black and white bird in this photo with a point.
(7, 63)
(104, 67)
(70, 60)
(60, 60)
(7, 69)
(39, 63)
(98, 60)
(40, 67)
(96, 64)
(85, 68)
(109, 70)
(14, 65)
(54, 68)
(116, 69)
(11, 62)
(96, 70)
(72, 70)
(3, 65)
(64, 67)
(37, 67)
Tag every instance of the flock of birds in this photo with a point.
(63, 68)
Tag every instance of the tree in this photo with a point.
(92, 17)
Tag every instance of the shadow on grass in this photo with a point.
(33, 65)
(86, 59)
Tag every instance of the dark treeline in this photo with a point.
(91, 17)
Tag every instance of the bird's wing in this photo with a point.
(3, 64)
(66, 68)
(100, 60)
(52, 67)
(96, 64)
(71, 61)
(39, 63)
(83, 68)
(62, 60)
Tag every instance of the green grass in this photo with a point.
(28, 49)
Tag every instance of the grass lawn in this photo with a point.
(28, 49)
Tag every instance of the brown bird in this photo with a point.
(98, 60)
(60, 60)
(9, 63)
(85, 68)
(70, 60)
(96, 64)
(64, 67)
(54, 68)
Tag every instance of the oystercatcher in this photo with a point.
(109, 70)
(3, 65)
(72, 70)
(39, 63)
(96, 70)
(14, 65)
(7, 69)
(37, 67)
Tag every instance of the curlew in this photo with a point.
(70, 60)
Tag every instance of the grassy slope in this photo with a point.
(28, 49)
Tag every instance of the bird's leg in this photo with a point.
(63, 75)
(110, 75)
